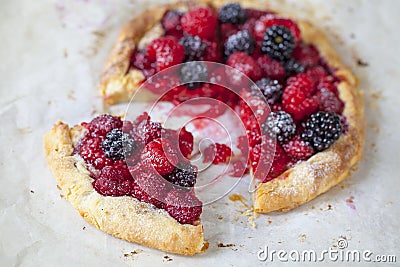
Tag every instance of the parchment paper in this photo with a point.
(52, 53)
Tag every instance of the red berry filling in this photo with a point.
(153, 155)
(249, 41)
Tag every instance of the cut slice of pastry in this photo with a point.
(317, 114)
(129, 182)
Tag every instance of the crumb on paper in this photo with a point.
(222, 245)
(167, 258)
(362, 63)
(269, 221)
(313, 207)
(220, 217)
(65, 53)
(329, 207)
(132, 253)
(84, 228)
(350, 202)
(32, 191)
(302, 237)
(71, 95)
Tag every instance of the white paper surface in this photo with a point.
(52, 53)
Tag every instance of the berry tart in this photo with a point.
(302, 101)
(132, 180)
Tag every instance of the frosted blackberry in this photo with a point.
(293, 67)
(271, 89)
(194, 47)
(192, 72)
(118, 144)
(232, 13)
(241, 41)
(184, 175)
(278, 42)
(279, 125)
(321, 130)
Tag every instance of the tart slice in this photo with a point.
(132, 180)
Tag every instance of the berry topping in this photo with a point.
(90, 149)
(184, 175)
(268, 21)
(298, 149)
(212, 52)
(278, 42)
(147, 130)
(201, 22)
(329, 102)
(141, 61)
(245, 64)
(118, 144)
(194, 47)
(171, 22)
(232, 13)
(292, 67)
(239, 42)
(193, 73)
(302, 82)
(165, 52)
(184, 207)
(279, 125)
(271, 89)
(161, 155)
(185, 142)
(218, 153)
(321, 130)
(102, 124)
(114, 181)
(273, 69)
(307, 55)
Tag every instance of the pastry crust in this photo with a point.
(123, 217)
(308, 179)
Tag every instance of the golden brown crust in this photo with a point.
(321, 172)
(123, 217)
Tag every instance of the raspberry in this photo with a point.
(322, 129)
(239, 42)
(184, 207)
(303, 82)
(193, 74)
(171, 23)
(140, 61)
(268, 21)
(306, 55)
(114, 181)
(249, 26)
(201, 22)
(118, 144)
(271, 89)
(245, 64)
(232, 13)
(147, 130)
(271, 68)
(328, 83)
(185, 142)
(329, 102)
(278, 43)
(279, 164)
(294, 102)
(161, 155)
(298, 149)
(316, 74)
(218, 153)
(194, 47)
(90, 150)
(212, 52)
(279, 125)
(292, 67)
(165, 52)
(255, 13)
(183, 175)
(102, 124)
(255, 106)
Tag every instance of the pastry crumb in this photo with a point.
(84, 228)
(302, 237)
(362, 63)
(32, 191)
(132, 253)
(167, 258)
(222, 245)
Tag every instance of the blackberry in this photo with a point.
(271, 89)
(184, 175)
(118, 144)
(322, 129)
(192, 72)
(194, 47)
(279, 125)
(293, 67)
(232, 13)
(241, 41)
(278, 42)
